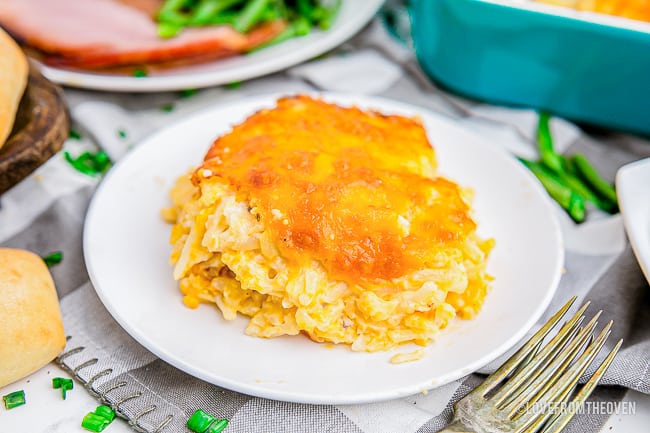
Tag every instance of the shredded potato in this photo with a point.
(241, 245)
(401, 358)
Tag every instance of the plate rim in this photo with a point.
(382, 104)
(624, 176)
(331, 39)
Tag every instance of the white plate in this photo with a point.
(354, 14)
(633, 189)
(126, 252)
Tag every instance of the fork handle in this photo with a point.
(456, 427)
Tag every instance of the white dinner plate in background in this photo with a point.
(353, 15)
(633, 189)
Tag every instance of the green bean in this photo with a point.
(572, 179)
(172, 6)
(243, 15)
(250, 15)
(177, 18)
(207, 10)
(545, 144)
(590, 175)
(603, 203)
(227, 17)
(272, 13)
(562, 194)
(328, 14)
(288, 33)
(306, 9)
(168, 30)
(301, 26)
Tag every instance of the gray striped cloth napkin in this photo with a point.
(45, 213)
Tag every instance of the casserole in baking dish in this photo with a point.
(585, 66)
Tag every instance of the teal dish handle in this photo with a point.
(581, 70)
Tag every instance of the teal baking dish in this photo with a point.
(583, 66)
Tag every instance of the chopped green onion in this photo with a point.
(14, 399)
(102, 161)
(88, 163)
(64, 384)
(99, 419)
(53, 259)
(188, 93)
(200, 421)
(94, 422)
(121, 133)
(234, 85)
(139, 73)
(167, 108)
(106, 412)
(74, 134)
(218, 426)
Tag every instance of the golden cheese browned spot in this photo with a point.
(355, 190)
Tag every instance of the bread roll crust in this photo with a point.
(14, 70)
(31, 329)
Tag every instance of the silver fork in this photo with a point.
(534, 391)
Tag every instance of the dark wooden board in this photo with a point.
(41, 127)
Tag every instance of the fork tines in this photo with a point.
(535, 390)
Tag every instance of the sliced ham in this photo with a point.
(111, 33)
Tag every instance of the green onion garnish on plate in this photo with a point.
(53, 259)
(98, 420)
(95, 423)
(167, 108)
(106, 412)
(187, 93)
(218, 426)
(14, 399)
(89, 163)
(74, 134)
(64, 384)
(200, 421)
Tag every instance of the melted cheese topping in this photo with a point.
(354, 190)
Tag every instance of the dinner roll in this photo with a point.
(13, 79)
(31, 330)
